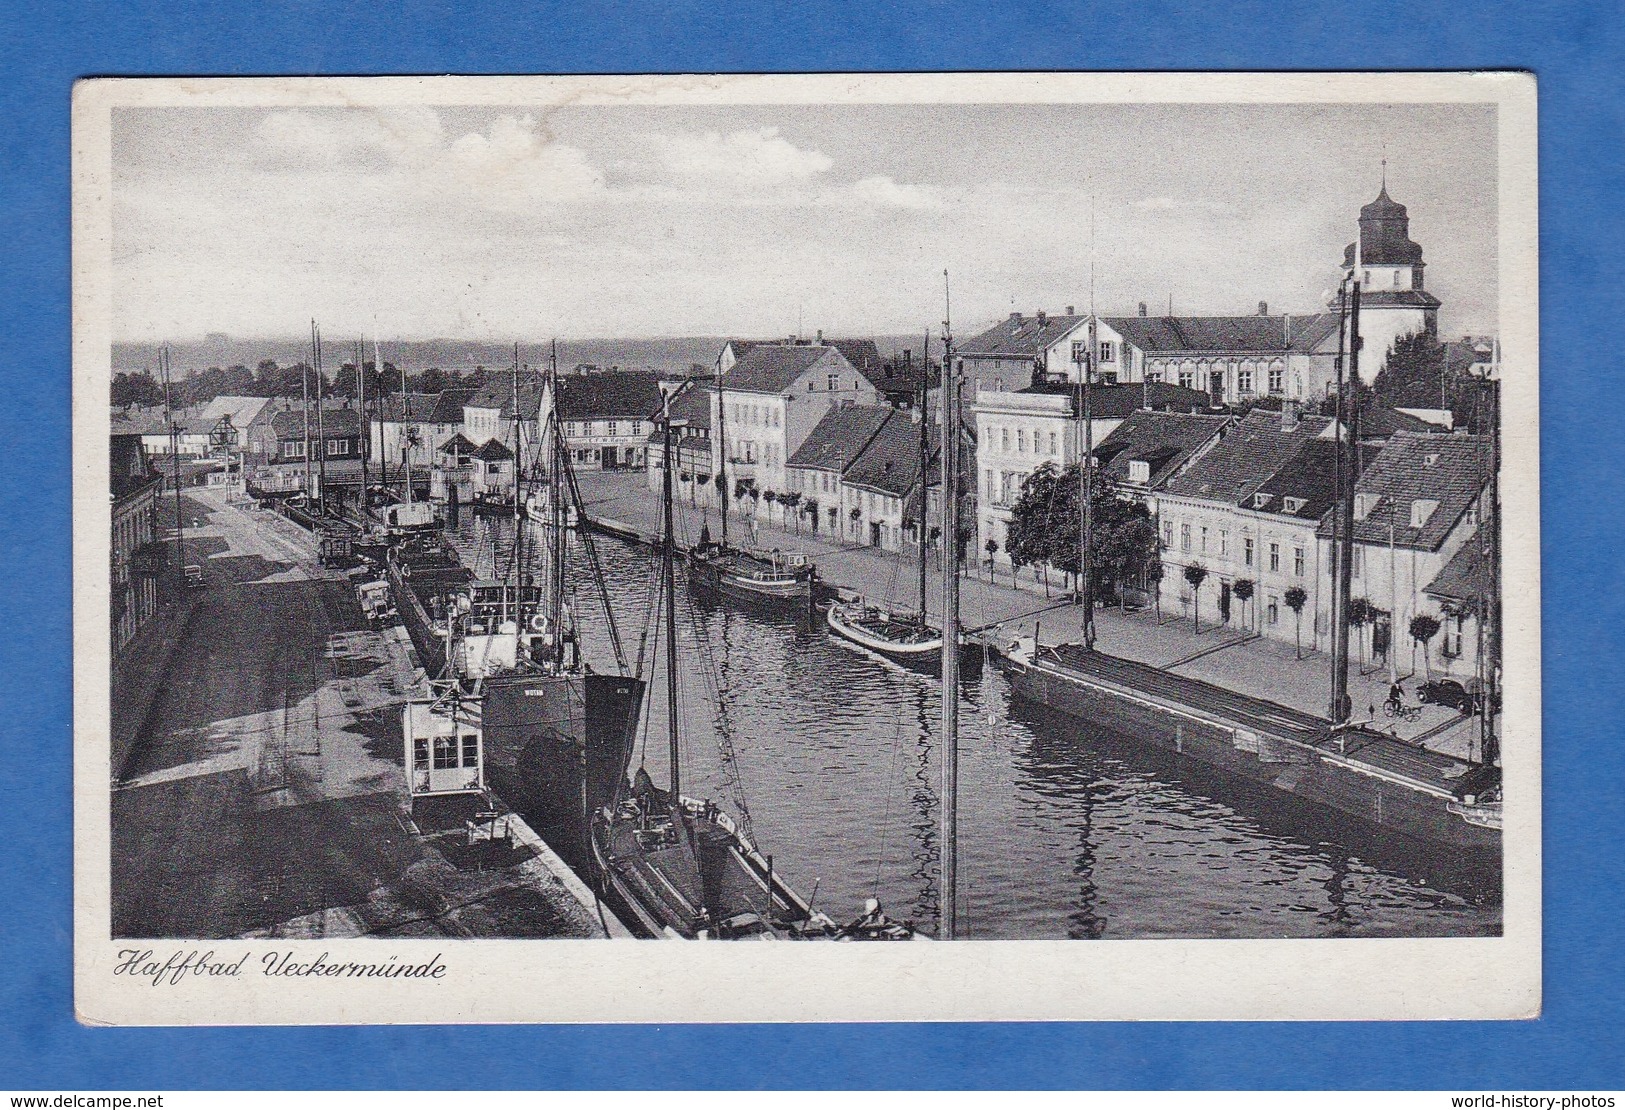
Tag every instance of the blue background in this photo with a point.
(1576, 51)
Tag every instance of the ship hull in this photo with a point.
(556, 746)
(722, 574)
(1319, 774)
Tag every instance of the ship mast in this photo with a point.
(555, 507)
(720, 479)
(950, 627)
(925, 457)
(1347, 415)
(1489, 646)
(1086, 452)
(364, 441)
(174, 468)
(304, 387)
(669, 586)
(321, 429)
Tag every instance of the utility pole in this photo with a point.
(175, 472)
(1348, 422)
(304, 386)
(950, 628)
(321, 427)
(361, 417)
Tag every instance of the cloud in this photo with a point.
(883, 192)
(328, 139)
(513, 161)
(752, 156)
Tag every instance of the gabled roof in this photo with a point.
(493, 450)
(458, 444)
(1165, 440)
(890, 464)
(609, 395)
(498, 391)
(1246, 457)
(1469, 575)
(414, 406)
(693, 408)
(334, 420)
(131, 471)
(1451, 470)
(241, 410)
(840, 437)
(773, 367)
(1222, 334)
(1111, 402)
(448, 405)
(1019, 336)
(1308, 479)
(1381, 422)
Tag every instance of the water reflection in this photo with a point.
(1066, 830)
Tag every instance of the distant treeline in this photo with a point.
(271, 380)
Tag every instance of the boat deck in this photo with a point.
(669, 877)
(1357, 746)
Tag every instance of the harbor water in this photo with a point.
(832, 758)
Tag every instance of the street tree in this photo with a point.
(1295, 598)
(1196, 574)
(1424, 626)
(1243, 589)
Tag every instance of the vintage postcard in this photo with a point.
(1034, 546)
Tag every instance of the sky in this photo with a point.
(525, 223)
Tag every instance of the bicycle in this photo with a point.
(1393, 707)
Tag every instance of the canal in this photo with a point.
(1065, 830)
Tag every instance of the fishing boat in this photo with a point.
(681, 868)
(747, 574)
(554, 735)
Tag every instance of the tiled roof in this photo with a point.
(837, 440)
(773, 368)
(890, 464)
(493, 450)
(416, 407)
(1449, 469)
(609, 394)
(1215, 334)
(448, 406)
(1309, 477)
(458, 444)
(1107, 402)
(692, 407)
(335, 420)
(131, 471)
(241, 410)
(1246, 457)
(1380, 422)
(1018, 336)
(1163, 439)
(1468, 576)
(498, 391)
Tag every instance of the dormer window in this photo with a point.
(1294, 505)
(1431, 458)
(1139, 470)
(1260, 500)
(1364, 503)
(1421, 510)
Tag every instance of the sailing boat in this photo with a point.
(747, 575)
(908, 637)
(679, 868)
(554, 736)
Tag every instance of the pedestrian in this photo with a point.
(755, 532)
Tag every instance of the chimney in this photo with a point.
(820, 337)
(1041, 317)
(1015, 317)
(1263, 308)
(1142, 308)
(1289, 416)
(1287, 324)
(1071, 310)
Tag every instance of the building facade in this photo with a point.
(136, 561)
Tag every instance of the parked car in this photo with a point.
(1467, 697)
(194, 577)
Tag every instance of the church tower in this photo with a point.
(1389, 267)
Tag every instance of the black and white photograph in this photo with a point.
(885, 511)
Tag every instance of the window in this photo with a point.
(834, 382)
(1108, 352)
(1140, 471)
(1204, 539)
(1052, 447)
(1187, 377)
(1244, 380)
(1247, 551)
(1004, 439)
(338, 447)
(493, 469)
(1277, 377)
(1297, 561)
(445, 752)
(1185, 538)
(1079, 350)
(1275, 557)
(1153, 373)
(1224, 542)
(471, 750)
(1167, 533)
(1359, 560)
(1274, 610)
(1021, 441)
(614, 426)
(1293, 505)
(293, 449)
(420, 753)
